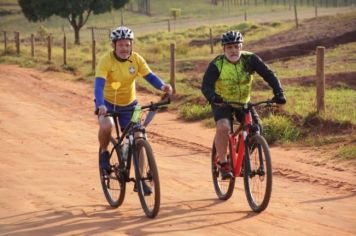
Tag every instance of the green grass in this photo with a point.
(346, 152)
(192, 112)
(281, 129)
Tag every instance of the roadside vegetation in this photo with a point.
(295, 123)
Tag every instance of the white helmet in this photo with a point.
(121, 32)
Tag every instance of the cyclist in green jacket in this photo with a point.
(229, 77)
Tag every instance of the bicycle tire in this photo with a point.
(149, 176)
(114, 185)
(258, 183)
(223, 188)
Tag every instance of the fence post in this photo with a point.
(169, 26)
(64, 50)
(5, 42)
(49, 43)
(173, 68)
(295, 14)
(92, 34)
(93, 56)
(32, 45)
(17, 42)
(211, 41)
(320, 79)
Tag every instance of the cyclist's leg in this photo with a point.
(222, 138)
(105, 126)
(256, 119)
(104, 135)
(222, 117)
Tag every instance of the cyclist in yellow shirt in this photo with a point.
(120, 67)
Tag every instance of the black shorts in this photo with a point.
(225, 112)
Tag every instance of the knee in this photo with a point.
(106, 125)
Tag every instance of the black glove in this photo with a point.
(279, 98)
(216, 99)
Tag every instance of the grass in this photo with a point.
(346, 153)
(280, 128)
(339, 59)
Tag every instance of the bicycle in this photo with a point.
(249, 157)
(140, 153)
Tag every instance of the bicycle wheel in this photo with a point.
(258, 181)
(114, 185)
(223, 188)
(147, 180)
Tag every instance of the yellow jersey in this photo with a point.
(120, 86)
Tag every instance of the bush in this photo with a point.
(280, 128)
(193, 112)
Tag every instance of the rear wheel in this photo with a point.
(147, 179)
(223, 188)
(258, 181)
(114, 185)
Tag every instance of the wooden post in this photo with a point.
(169, 26)
(49, 43)
(5, 42)
(92, 34)
(211, 41)
(17, 42)
(245, 15)
(93, 62)
(32, 45)
(316, 8)
(295, 13)
(173, 68)
(122, 16)
(320, 79)
(64, 50)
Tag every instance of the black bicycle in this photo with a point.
(140, 154)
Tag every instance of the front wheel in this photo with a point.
(258, 175)
(147, 179)
(114, 184)
(223, 188)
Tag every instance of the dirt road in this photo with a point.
(49, 183)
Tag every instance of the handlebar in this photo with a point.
(152, 107)
(268, 102)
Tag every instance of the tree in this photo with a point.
(77, 12)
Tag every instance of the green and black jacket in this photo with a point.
(233, 82)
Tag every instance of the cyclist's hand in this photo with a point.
(279, 98)
(167, 88)
(217, 99)
(102, 110)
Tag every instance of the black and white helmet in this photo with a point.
(121, 32)
(231, 37)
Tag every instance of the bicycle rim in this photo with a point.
(223, 188)
(114, 185)
(147, 178)
(258, 182)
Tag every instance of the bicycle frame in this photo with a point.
(241, 134)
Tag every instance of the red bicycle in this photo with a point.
(249, 157)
